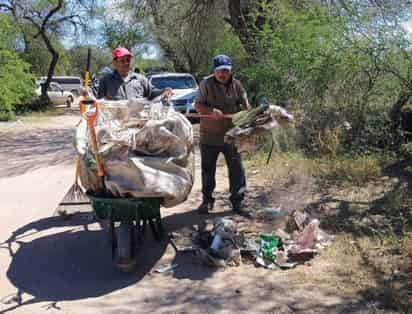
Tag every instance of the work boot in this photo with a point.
(205, 207)
(239, 209)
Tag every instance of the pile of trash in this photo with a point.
(298, 242)
(219, 247)
(146, 148)
(259, 121)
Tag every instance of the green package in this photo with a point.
(268, 244)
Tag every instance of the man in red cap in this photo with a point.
(123, 83)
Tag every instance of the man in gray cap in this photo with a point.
(122, 83)
(220, 94)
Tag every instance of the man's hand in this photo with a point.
(168, 92)
(217, 114)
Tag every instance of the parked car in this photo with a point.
(184, 88)
(68, 83)
(57, 95)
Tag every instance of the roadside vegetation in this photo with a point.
(343, 69)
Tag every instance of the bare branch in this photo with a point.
(51, 13)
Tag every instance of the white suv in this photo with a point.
(70, 84)
(57, 95)
(184, 88)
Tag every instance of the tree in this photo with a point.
(16, 83)
(188, 34)
(377, 36)
(78, 59)
(47, 18)
(37, 54)
(122, 34)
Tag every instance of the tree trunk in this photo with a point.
(397, 107)
(52, 66)
(244, 25)
(171, 55)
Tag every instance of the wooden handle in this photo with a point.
(87, 72)
(77, 174)
(207, 116)
(100, 170)
(90, 117)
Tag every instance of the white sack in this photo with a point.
(146, 148)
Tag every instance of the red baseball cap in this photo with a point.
(121, 52)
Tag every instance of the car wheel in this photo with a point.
(75, 92)
(69, 101)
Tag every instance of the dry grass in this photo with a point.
(366, 206)
(357, 171)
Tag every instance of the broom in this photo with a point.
(75, 195)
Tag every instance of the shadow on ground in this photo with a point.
(37, 149)
(381, 219)
(388, 214)
(76, 263)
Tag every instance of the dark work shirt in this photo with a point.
(228, 98)
(113, 86)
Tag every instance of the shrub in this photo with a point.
(16, 83)
(357, 171)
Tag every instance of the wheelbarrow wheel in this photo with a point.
(126, 257)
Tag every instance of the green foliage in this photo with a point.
(341, 86)
(145, 65)
(298, 51)
(38, 56)
(223, 41)
(77, 57)
(120, 33)
(373, 131)
(16, 84)
(8, 32)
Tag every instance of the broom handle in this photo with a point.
(77, 175)
(86, 86)
(87, 72)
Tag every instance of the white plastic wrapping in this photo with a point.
(146, 148)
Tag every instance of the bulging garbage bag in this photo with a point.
(146, 148)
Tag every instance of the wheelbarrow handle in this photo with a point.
(207, 116)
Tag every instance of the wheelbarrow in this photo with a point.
(128, 219)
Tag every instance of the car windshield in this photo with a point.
(174, 82)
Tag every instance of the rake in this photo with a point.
(75, 195)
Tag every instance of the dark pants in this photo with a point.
(237, 180)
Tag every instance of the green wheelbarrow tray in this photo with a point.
(132, 215)
(125, 208)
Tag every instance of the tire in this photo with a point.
(125, 260)
(69, 101)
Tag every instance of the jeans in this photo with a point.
(237, 180)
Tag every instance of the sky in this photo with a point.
(146, 50)
(408, 26)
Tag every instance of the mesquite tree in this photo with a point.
(46, 19)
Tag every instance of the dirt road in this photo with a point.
(53, 265)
